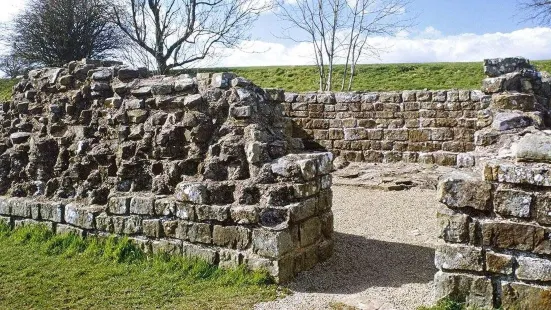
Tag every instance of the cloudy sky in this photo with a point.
(445, 30)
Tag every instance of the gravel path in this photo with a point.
(384, 249)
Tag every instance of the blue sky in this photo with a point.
(445, 30)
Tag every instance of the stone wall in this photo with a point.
(196, 167)
(411, 126)
(497, 232)
(496, 219)
(440, 127)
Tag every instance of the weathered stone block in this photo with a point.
(520, 296)
(191, 192)
(193, 251)
(453, 226)
(303, 210)
(199, 233)
(513, 101)
(474, 291)
(152, 228)
(212, 213)
(459, 257)
(19, 207)
(163, 246)
(535, 148)
(244, 214)
(82, 216)
(513, 203)
(119, 205)
(310, 231)
(270, 243)
(534, 269)
(514, 236)
(52, 211)
(499, 263)
(459, 191)
(61, 229)
(142, 205)
(235, 237)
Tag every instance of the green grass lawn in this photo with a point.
(463, 75)
(39, 270)
(5, 88)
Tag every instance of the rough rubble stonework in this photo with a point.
(201, 167)
(496, 219)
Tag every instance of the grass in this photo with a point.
(383, 77)
(5, 88)
(40, 270)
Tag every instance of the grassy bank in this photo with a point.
(40, 270)
(5, 88)
(463, 75)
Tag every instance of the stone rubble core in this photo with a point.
(202, 167)
(496, 219)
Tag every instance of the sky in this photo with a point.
(444, 31)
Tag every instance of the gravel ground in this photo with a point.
(384, 250)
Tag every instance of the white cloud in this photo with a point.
(426, 46)
(9, 8)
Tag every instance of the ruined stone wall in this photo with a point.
(411, 126)
(201, 167)
(496, 219)
(440, 127)
(497, 232)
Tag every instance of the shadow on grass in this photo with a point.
(359, 263)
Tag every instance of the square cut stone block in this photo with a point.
(513, 203)
(534, 269)
(474, 291)
(499, 263)
(459, 257)
(459, 191)
(272, 244)
(521, 296)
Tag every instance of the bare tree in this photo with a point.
(341, 29)
(179, 32)
(13, 66)
(54, 32)
(320, 21)
(368, 18)
(538, 10)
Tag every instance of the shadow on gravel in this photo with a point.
(359, 263)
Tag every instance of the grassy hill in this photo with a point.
(465, 75)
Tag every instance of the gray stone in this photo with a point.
(119, 205)
(191, 192)
(533, 269)
(513, 203)
(20, 137)
(193, 251)
(142, 205)
(459, 257)
(536, 148)
(499, 263)
(474, 291)
(270, 243)
(163, 246)
(499, 66)
(234, 237)
(508, 121)
(460, 191)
